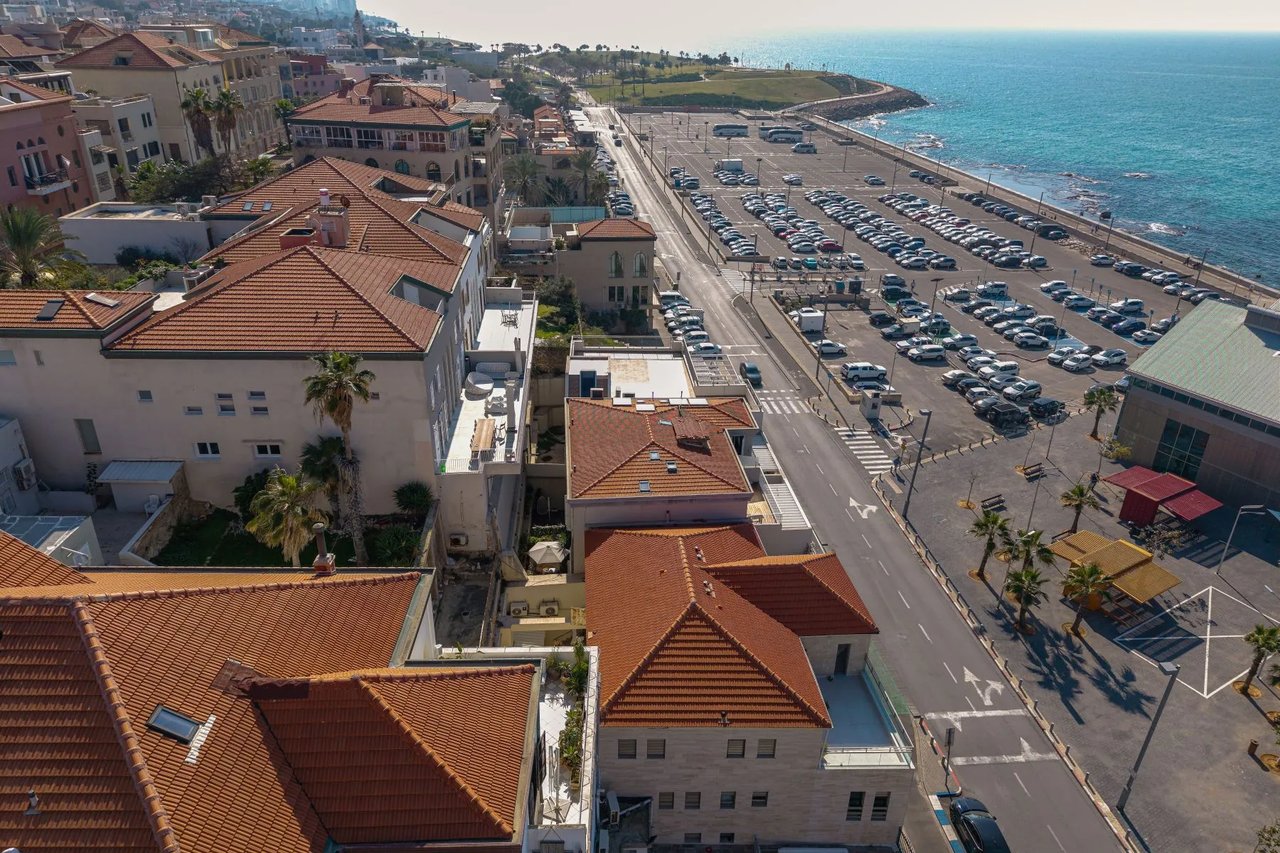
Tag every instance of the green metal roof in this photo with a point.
(1224, 354)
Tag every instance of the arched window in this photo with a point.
(402, 166)
(370, 161)
(433, 171)
(641, 267)
(615, 265)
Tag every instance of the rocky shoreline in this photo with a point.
(893, 99)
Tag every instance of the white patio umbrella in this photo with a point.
(547, 554)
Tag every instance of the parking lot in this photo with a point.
(841, 169)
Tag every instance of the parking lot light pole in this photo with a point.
(934, 301)
(893, 183)
(759, 160)
(1200, 268)
(928, 415)
(1253, 509)
(1111, 224)
(1170, 670)
(845, 167)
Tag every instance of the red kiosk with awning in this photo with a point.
(1147, 492)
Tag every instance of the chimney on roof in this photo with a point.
(325, 564)
(331, 221)
(33, 804)
(697, 552)
(345, 85)
(724, 718)
(292, 237)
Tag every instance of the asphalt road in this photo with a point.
(1000, 755)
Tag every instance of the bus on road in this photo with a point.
(766, 129)
(729, 130)
(785, 134)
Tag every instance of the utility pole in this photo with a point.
(1170, 670)
(928, 416)
(817, 349)
(1111, 224)
(1200, 268)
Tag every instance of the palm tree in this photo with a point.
(31, 245)
(197, 109)
(283, 512)
(584, 163)
(1027, 587)
(1265, 641)
(332, 391)
(257, 170)
(597, 188)
(1026, 547)
(321, 461)
(226, 109)
(1078, 498)
(1082, 583)
(558, 192)
(283, 108)
(1100, 400)
(523, 173)
(993, 529)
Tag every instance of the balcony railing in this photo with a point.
(376, 144)
(47, 183)
(126, 135)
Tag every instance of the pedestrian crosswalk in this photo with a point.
(867, 450)
(781, 402)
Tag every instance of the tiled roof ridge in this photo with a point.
(89, 597)
(425, 234)
(359, 294)
(393, 675)
(433, 757)
(816, 715)
(803, 560)
(130, 746)
(722, 405)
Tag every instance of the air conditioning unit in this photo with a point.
(185, 208)
(518, 608)
(548, 608)
(457, 540)
(25, 473)
(209, 201)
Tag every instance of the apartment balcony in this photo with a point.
(50, 182)
(126, 136)
(870, 725)
(372, 144)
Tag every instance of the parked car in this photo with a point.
(894, 332)
(1001, 381)
(958, 341)
(880, 318)
(1061, 354)
(706, 348)
(1077, 363)
(928, 352)
(1045, 407)
(1127, 306)
(1146, 336)
(1128, 327)
(997, 368)
(1030, 340)
(861, 370)
(963, 385)
(1110, 358)
(1023, 389)
(951, 377)
(984, 404)
(1002, 416)
(827, 348)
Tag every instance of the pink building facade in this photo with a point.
(40, 160)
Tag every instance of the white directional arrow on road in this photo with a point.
(863, 509)
(984, 693)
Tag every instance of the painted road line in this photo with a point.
(1021, 783)
(957, 718)
(904, 599)
(923, 631)
(950, 673)
(1027, 754)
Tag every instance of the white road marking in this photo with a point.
(864, 539)
(1026, 755)
(886, 571)
(833, 489)
(1055, 838)
(903, 597)
(1024, 787)
(970, 701)
(819, 467)
(944, 664)
(957, 718)
(985, 693)
(926, 633)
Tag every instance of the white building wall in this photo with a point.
(100, 238)
(13, 449)
(634, 512)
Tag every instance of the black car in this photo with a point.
(1045, 407)
(880, 318)
(974, 305)
(1005, 414)
(976, 827)
(1128, 327)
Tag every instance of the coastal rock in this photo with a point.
(893, 99)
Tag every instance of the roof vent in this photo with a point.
(671, 468)
(697, 552)
(50, 310)
(724, 718)
(33, 804)
(292, 237)
(644, 486)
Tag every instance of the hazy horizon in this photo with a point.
(675, 25)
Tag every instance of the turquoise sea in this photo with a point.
(1178, 134)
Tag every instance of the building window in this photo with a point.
(144, 396)
(224, 395)
(147, 120)
(640, 266)
(616, 294)
(692, 800)
(402, 167)
(259, 411)
(208, 450)
(13, 177)
(257, 395)
(7, 358)
(615, 265)
(1181, 449)
(627, 748)
(737, 748)
(666, 800)
(728, 799)
(638, 294)
(880, 806)
(88, 435)
(656, 748)
(726, 838)
(268, 450)
(433, 171)
(227, 409)
(759, 799)
(767, 747)
(854, 810)
(693, 838)
(194, 411)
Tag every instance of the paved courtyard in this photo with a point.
(1100, 690)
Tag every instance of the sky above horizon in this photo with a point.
(680, 25)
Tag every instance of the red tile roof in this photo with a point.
(304, 299)
(680, 648)
(32, 92)
(458, 214)
(18, 309)
(76, 30)
(811, 594)
(423, 105)
(616, 229)
(84, 668)
(22, 565)
(146, 50)
(303, 183)
(12, 47)
(390, 755)
(610, 448)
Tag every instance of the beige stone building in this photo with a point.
(738, 703)
(610, 262)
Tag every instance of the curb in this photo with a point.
(1124, 836)
(948, 831)
(955, 780)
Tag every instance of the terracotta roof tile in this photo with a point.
(32, 92)
(390, 755)
(18, 309)
(811, 594)
(76, 30)
(423, 106)
(458, 214)
(303, 184)
(21, 565)
(611, 448)
(12, 47)
(146, 50)
(616, 229)
(84, 669)
(678, 647)
(304, 299)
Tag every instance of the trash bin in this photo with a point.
(839, 285)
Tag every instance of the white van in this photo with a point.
(999, 368)
(858, 370)
(667, 297)
(804, 148)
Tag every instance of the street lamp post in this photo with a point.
(1111, 224)
(1200, 268)
(1252, 509)
(894, 183)
(906, 507)
(845, 167)
(706, 138)
(1170, 670)
(665, 162)
(759, 160)
(937, 280)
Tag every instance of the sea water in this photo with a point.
(1178, 135)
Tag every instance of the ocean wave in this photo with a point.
(1082, 178)
(1168, 230)
(1142, 176)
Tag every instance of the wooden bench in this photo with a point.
(992, 503)
(1033, 472)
